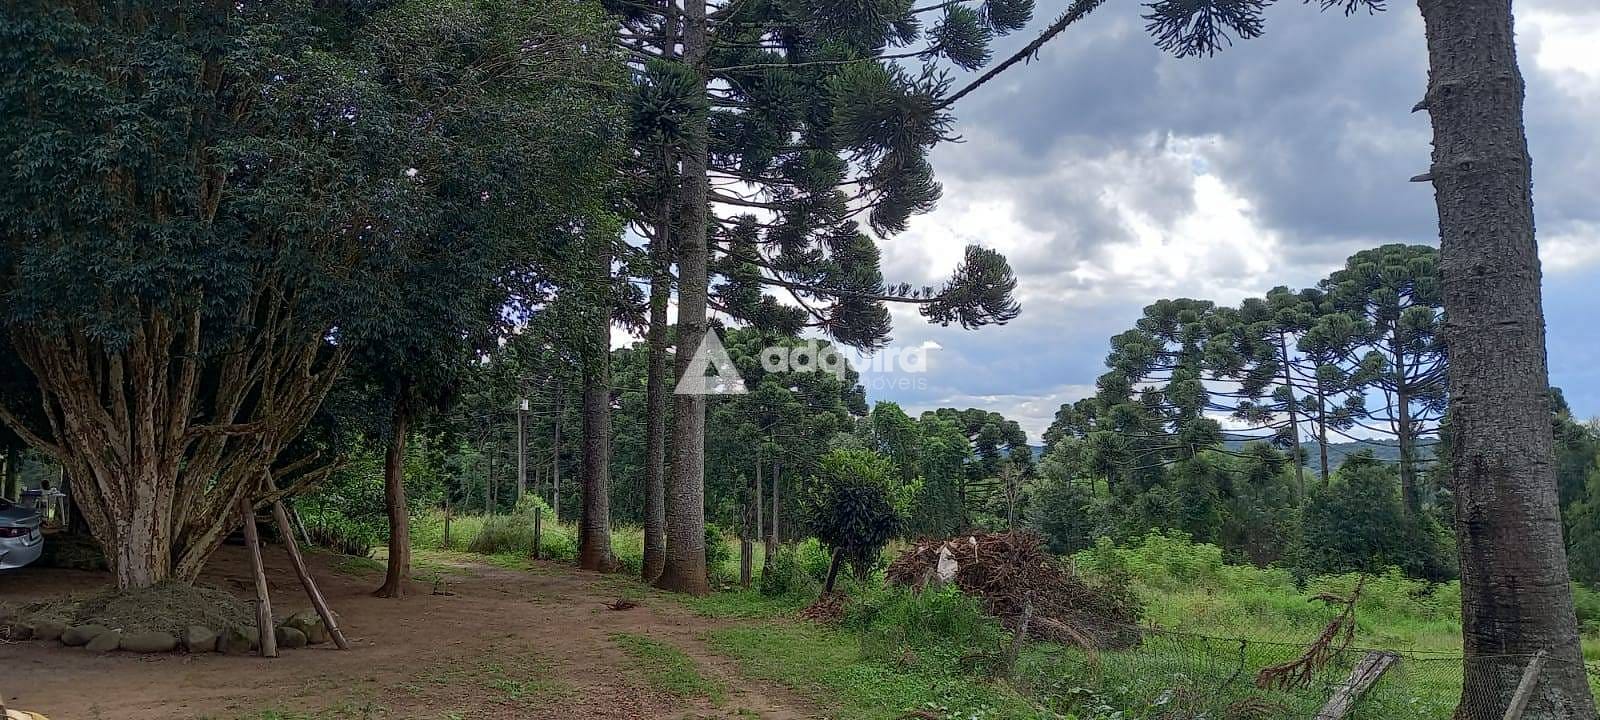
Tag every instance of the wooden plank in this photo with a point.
(1530, 679)
(310, 584)
(1362, 678)
(269, 642)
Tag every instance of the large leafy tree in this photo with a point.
(208, 209)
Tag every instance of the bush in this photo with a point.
(797, 569)
(851, 508)
(342, 536)
(1064, 512)
(1357, 522)
(937, 625)
(718, 555)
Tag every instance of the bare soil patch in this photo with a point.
(472, 641)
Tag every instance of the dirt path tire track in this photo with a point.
(503, 643)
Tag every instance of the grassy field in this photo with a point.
(900, 653)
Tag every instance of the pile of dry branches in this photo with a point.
(1012, 570)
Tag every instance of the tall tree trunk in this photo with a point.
(1404, 432)
(1516, 595)
(1322, 439)
(655, 515)
(761, 517)
(522, 450)
(685, 568)
(555, 459)
(394, 498)
(773, 538)
(1294, 416)
(594, 535)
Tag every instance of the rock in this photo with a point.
(199, 639)
(50, 630)
(105, 642)
(289, 637)
(309, 623)
(152, 641)
(81, 634)
(235, 641)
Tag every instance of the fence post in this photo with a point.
(1362, 678)
(1018, 639)
(1530, 678)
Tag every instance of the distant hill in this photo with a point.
(1384, 450)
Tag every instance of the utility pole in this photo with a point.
(522, 450)
(555, 460)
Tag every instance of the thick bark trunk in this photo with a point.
(394, 499)
(594, 535)
(159, 459)
(685, 568)
(655, 516)
(1515, 593)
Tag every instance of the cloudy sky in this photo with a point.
(1113, 175)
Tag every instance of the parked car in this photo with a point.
(21, 541)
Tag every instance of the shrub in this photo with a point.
(850, 507)
(797, 569)
(1064, 513)
(718, 554)
(1358, 523)
(939, 624)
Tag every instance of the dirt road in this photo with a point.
(494, 643)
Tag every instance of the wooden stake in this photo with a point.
(269, 642)
(1530, 679)
(747, 552)
(1018, 639)
(1362, 678)
(317, 601)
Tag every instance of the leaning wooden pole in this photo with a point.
(269, 642)
(317, 601)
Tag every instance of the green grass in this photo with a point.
(507, 541)
(829, 667)
(668, 669)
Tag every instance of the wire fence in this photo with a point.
(1168, 675)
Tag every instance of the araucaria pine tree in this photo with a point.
(778, 134)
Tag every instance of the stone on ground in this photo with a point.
(149, 641)
(199, 639)
(48, 629)
(236, 641)
(81, 634)
(289, 637)
(309, 623)
(105, 642)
